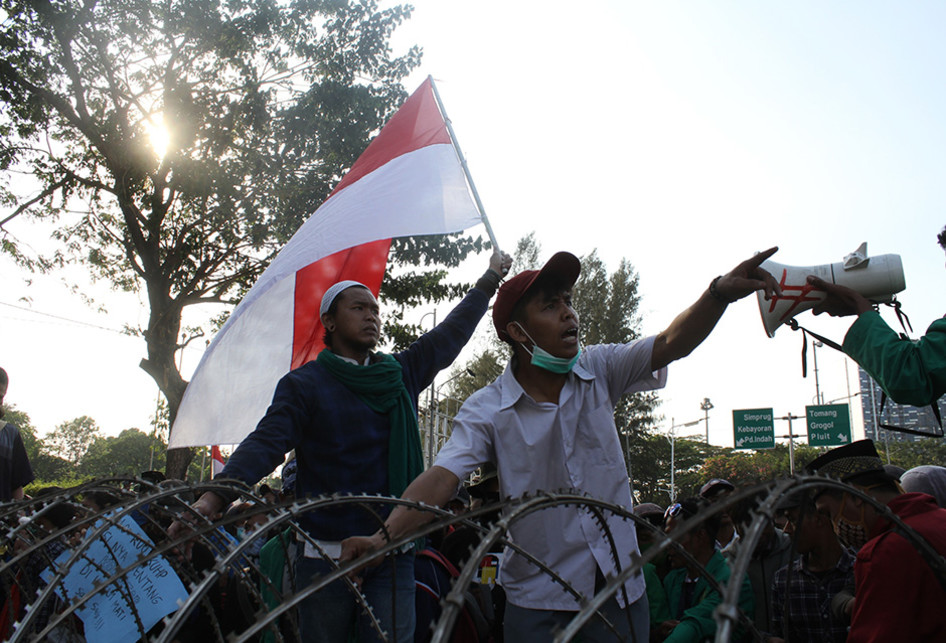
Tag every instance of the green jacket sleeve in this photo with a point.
(656, 596)
(910, 372)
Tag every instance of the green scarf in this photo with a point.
(380, 385)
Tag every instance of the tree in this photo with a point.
(651, 459)
(22, 421)
(129, 453)
(909, 454)
(262, 105)
(70, 440)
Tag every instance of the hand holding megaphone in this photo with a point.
(839, 301)
(842, 288)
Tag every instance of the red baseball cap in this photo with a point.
(563, 265)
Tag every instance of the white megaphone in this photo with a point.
(876, 278)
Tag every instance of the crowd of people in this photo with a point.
(351, 566)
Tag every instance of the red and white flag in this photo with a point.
(409, 181)
(216, 461)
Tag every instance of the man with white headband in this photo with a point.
(351, 416)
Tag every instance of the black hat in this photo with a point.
(849, 462)
(714, 487)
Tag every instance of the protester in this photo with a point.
(653, 580)
(773, 551)
(718, 490)
(41, 543)
(926, 478)
(909, 372)
(802, 592)
(547, 423)
(15, 470)
(899, 596)
(690, 596)
(351, 416)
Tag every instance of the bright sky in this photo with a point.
(681, 136)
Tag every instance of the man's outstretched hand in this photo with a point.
(748, 277)
(839, 301)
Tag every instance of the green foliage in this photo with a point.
(22, 421)
(72, 439)
(265, 104)
(405, 287)
(913, 454)
(130, 453)
(66, 480)
(48, 467)
(650, 457)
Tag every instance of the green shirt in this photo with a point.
(910, 372)
(697, 622)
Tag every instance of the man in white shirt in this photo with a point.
(547, 423)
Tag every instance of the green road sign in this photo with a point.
(753, 429)
(829, 425)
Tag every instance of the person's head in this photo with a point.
(809, 528)
(926, 478)
(652, 513)
(351, 317)
(699, 542)
(941, 237)
(460, 502)
(858, 465)
(716, 489)
(534, 308)
(719, 490)
(4, 382)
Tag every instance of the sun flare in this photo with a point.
(158, 134)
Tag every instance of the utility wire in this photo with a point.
(65, 319)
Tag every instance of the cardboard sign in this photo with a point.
(150, 589)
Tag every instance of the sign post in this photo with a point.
(753, 429)
(829, 425)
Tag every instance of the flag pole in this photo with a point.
(466, 169)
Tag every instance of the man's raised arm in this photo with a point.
(693, 325)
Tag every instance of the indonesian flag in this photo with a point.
(216, 461)
(409, 181)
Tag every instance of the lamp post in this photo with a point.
(815, 345)
(706, 405)
(673, 454)
(431, 395)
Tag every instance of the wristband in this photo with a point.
(715, 294)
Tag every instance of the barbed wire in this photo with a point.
(123, 550)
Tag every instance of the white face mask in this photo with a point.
(545, 360)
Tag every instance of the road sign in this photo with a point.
(829, 425)
(753, 429)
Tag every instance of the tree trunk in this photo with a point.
(161, 337)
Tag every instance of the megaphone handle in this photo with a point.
(901, 316)
(794, 325)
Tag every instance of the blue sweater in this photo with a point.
(341, 444)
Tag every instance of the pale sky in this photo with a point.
(681, 136)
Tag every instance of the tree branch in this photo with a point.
(26, 206)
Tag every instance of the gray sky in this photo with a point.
(681, 136)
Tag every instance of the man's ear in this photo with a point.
(328, 322)
(515, 332)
